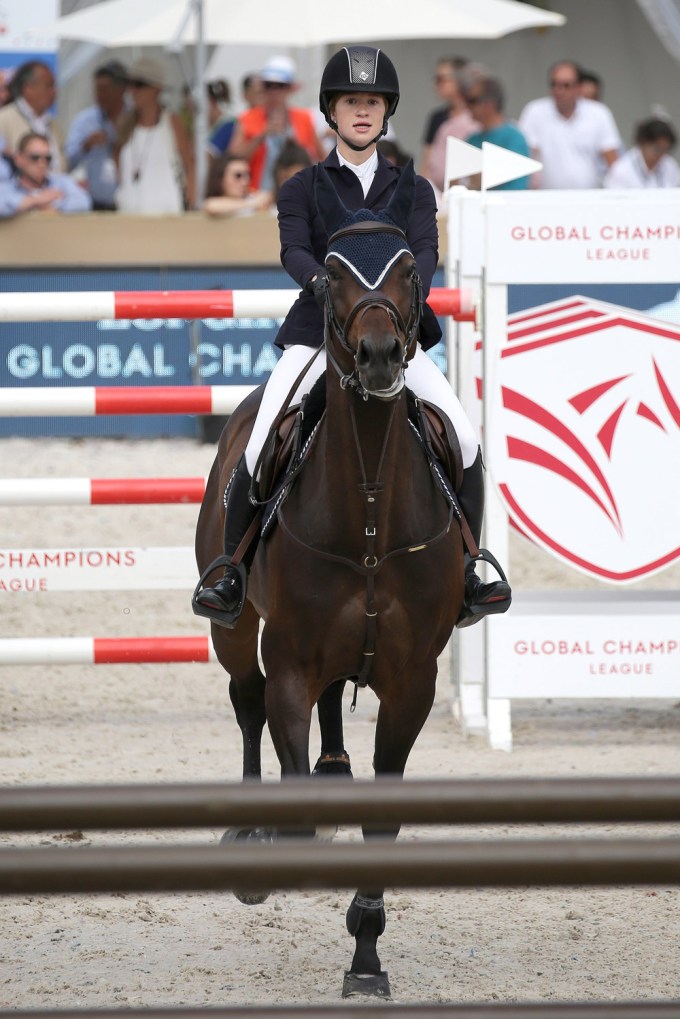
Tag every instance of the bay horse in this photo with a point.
(362, 576)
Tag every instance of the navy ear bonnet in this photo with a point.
(369, 256)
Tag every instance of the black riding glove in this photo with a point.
(317, 287)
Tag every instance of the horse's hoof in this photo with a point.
(373, 985)
(248, 898)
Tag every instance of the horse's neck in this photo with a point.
(363, 438)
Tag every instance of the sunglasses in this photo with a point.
(274, 84)
(39, 157)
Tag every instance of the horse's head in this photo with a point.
(373, 296)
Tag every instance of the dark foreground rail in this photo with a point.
(310, 802)
(302, 864)
(551, 1010)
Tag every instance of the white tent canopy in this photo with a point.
(297, 22)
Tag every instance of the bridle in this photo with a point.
(407, 330)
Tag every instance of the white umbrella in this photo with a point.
(289, 23)
(297, 22)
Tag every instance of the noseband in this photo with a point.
(407, 330)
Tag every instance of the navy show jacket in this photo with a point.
(304, 240)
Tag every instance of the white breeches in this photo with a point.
(423, 377)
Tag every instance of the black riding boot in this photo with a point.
(223, 602)
(480, 599)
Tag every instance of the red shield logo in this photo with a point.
(585, 436)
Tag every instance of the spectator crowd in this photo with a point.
(129, 152)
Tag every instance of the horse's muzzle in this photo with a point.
(379, 364)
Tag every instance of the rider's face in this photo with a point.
(359, 116)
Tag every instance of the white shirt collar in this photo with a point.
(365, 171)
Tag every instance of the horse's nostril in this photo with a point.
(363, 357)
(396, 355)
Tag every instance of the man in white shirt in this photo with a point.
(34, 89)
(576, 139)
(649, 163)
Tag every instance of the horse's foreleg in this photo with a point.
(334, 759)
(237, 652)
(400, 720)
(289, 715)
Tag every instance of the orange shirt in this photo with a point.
(254, 122)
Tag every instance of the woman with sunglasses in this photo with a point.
(154, 152)
(33, 187)
(359, 93)
(229, 192)
(262, 131)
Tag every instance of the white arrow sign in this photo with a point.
(501, 165)
(462, 160)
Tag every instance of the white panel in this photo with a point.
(30, 571)
(570, 236)
(590, 647)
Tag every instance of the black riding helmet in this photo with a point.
(359, 69)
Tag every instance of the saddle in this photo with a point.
(289, 444)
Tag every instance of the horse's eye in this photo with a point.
(333, 275)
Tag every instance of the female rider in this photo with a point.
(359, 93)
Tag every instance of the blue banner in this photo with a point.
(141, 352)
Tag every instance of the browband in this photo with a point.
(367, 226)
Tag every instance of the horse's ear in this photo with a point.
(328, 202)
(402, 201)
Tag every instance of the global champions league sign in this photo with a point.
(589, 421)
(585, 405)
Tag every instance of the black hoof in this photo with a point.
(372, 985)
(248, 898)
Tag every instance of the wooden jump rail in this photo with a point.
(499, 1010)
(301, 802)
(301, 864)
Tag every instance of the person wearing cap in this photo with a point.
(92, 135)
(262, 131)
(359, 93)
(154, 152)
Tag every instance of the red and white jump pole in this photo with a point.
(100, 491)
(94, 401)
(104, 650)
(94, 305)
